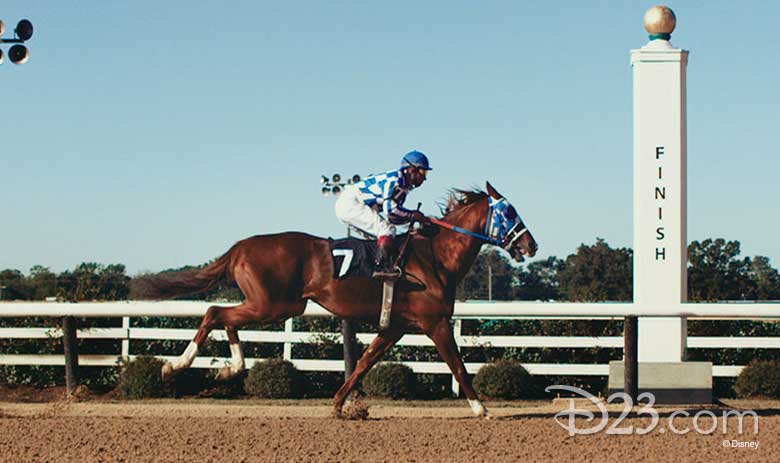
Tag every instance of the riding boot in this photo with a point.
(383, 264)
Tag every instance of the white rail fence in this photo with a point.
(289, 337)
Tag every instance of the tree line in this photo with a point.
(595, 272)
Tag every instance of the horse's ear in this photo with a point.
(492, 191)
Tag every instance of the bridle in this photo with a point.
(496, 232)
(498, 221)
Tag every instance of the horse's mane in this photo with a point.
(458, 200)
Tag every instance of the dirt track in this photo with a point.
(194, 431)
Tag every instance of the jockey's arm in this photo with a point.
(392, 205)
(396, 214)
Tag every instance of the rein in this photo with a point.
(511, 236)
(458, 229)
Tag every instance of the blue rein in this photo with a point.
(455, 228)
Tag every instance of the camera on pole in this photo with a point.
(18, 53)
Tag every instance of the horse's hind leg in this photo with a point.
(216, 316)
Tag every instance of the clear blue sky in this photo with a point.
(156, 134)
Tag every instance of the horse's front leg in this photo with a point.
(379, 346)
(441, 334)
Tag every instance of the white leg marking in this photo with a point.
(187, 357)
(477, 408)
(237, 358)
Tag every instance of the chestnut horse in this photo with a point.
(279, 273)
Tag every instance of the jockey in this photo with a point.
(360, 204)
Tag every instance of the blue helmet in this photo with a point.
(416, 159)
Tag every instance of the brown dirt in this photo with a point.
(12, 393)
(191, 430)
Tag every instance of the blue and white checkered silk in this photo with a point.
(387, 191)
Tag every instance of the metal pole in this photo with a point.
(70, 348)
(490, 283)
(350, 356)
(349, 342)
(630, 358)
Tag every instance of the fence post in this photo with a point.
(288, 328)
(70, 349)
(630, 362)
(126, 339)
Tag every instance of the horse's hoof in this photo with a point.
(355, 410)
(167, 371)
(336, 413)
(226, 374)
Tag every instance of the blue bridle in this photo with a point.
(500, 228)
(502, 223)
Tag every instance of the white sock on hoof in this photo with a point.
(237, 358)
(187, 357)
(477, 408)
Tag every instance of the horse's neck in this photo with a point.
(455, 251)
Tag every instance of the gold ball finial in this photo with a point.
(660, 22)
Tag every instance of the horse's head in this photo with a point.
(507, 228)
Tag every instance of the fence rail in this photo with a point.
(289, 337)
(492, 310)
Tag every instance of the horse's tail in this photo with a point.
(182, 283)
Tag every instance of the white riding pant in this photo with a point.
(351, 210)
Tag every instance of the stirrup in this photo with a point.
(385, 274)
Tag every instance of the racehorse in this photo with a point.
(279, 273)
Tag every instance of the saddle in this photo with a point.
(354, 257)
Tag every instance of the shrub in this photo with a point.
(759, 378)
(141, 379)
(391, 380)
(505, 379)
(274, 379)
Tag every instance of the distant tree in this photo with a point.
(765, 278)
(42, 282)
(87, 282)
(15, 285)
(475, 283)
(540, 280)
(113, 283)
(597, 273)
(91, 281)
(716, 273)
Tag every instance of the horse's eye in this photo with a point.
(511, 213)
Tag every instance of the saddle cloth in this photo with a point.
(352, 257)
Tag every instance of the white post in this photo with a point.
(660, 242)
(126, 339)
(288, 328)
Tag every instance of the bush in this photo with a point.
(505, 379)
(141, 379)
(759, 378)
(274, 379)
(391, 380)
